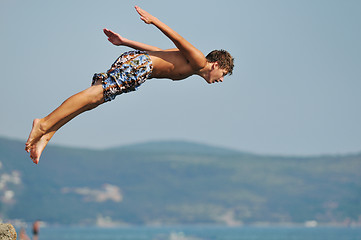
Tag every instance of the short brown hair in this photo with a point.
(223, 58)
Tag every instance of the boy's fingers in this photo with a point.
(108, 32)
(139, 10)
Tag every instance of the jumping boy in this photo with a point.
(127, 73)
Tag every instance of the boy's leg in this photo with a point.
(44, 129)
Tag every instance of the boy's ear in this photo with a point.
(214, 65)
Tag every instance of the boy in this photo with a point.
(128, 72)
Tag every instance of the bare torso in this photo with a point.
(170, 64)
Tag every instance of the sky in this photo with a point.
(295, 89)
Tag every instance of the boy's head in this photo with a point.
(223, 58)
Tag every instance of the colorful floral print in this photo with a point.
(126, 74)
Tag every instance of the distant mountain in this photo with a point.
(176, 183)
(182, 147)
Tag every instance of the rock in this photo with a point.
(7, 232)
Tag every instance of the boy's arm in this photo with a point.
(195, 57)
(118, 40)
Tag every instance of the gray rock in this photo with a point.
(7, 232)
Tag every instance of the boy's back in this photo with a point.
(171, 64)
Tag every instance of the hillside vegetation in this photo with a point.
(176, 183)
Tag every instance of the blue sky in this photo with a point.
(295, 89)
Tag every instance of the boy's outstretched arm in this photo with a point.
(195, 57)
(118, 40)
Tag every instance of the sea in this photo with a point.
(200, 233)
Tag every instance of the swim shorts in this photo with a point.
(126, 74)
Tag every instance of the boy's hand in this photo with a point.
(145, 16)
(113, 37)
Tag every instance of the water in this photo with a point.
(199, 233)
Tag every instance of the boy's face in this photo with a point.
(216, 74)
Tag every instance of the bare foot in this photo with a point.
(37, 148)
(34, 136)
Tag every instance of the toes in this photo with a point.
(35, 159)
(34, 156)
(27, 148)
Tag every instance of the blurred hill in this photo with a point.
(176, 183)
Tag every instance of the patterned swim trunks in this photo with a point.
(126, 74)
